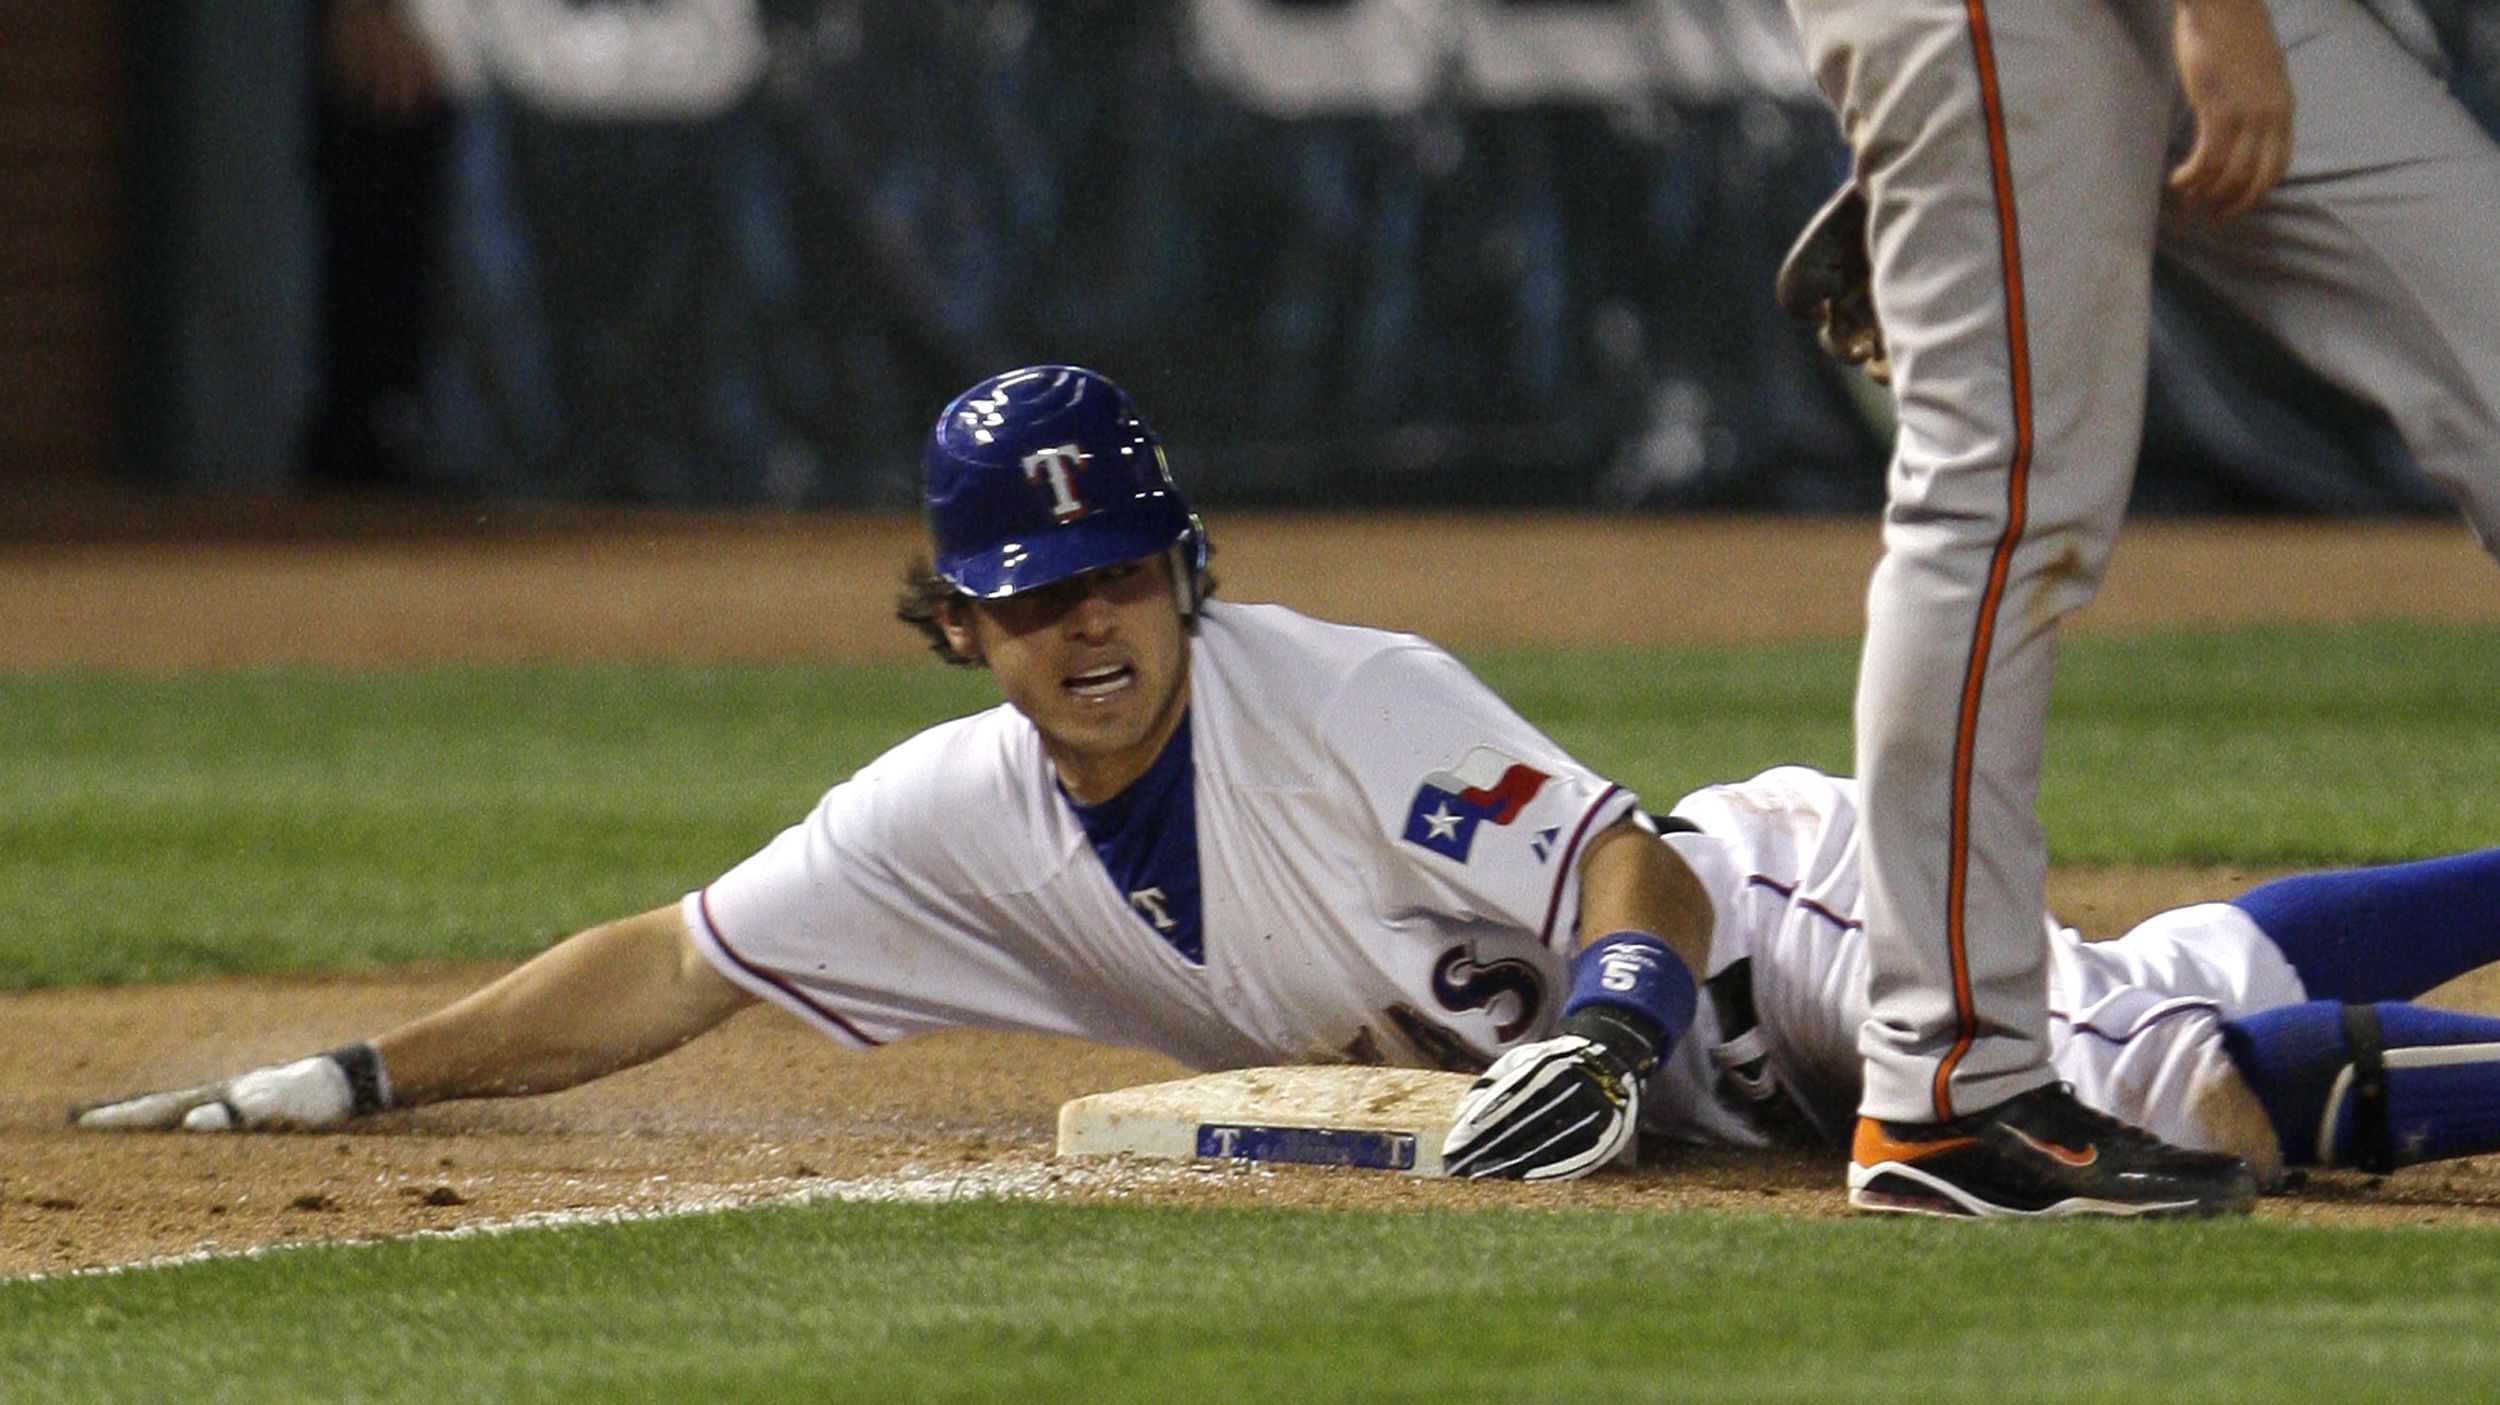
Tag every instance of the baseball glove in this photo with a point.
(1828, 282)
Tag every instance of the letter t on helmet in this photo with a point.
(1045, 473)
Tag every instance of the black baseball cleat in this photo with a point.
(2040, 1154)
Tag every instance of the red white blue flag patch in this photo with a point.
(1485, 786)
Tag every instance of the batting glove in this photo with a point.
(307, 1095)
(1549, 1111)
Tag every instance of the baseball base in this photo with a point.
(1382, 1118)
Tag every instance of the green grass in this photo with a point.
(304, 820)
(2275, 746)
(307, 820)
(990, 1301)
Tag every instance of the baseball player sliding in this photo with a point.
(1240, 836)
(2015, 166)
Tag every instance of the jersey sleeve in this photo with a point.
(872, 918)
(759, 896)
(1480, 816)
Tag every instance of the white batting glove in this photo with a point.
(1553, 1110)
(308, 1095)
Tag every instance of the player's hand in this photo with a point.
(1552, 1110)
(304, 1096)
(2232, 71)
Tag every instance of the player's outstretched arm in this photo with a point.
(619, 994)
(1562, 1107)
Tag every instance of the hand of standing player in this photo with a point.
(2237, 88)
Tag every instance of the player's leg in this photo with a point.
(2374, 1086)
(2314, 1083)
(2203, 1023)
(2012, 158)
(2373, 259)
(2388, 932)
(2158, 1061)
(2011, 155)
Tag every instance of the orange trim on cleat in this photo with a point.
(1875, 1144)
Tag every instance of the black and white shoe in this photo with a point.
(2039, 1154)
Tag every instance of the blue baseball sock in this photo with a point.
(2439, 1082)
(2384, 933)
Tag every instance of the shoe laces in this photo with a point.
(2071, 1112)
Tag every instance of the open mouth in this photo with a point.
(1100, 682)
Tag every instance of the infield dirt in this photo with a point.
(765, 1107)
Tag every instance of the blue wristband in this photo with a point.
(1637, 971)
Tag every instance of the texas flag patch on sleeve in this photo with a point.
(1485, 786)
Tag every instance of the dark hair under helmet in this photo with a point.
(1043, 473)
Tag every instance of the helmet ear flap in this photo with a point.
(1189, 567)
(1186, 566)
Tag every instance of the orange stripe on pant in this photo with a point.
(1983, 630)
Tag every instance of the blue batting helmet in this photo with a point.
(1042, 473)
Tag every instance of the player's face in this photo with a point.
(1099, 662)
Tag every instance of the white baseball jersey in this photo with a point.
(2134, 1023)
(1386, 860)
(1385, 865)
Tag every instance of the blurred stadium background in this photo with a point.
(1348, 252)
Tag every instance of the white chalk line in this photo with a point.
(912, 1184)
